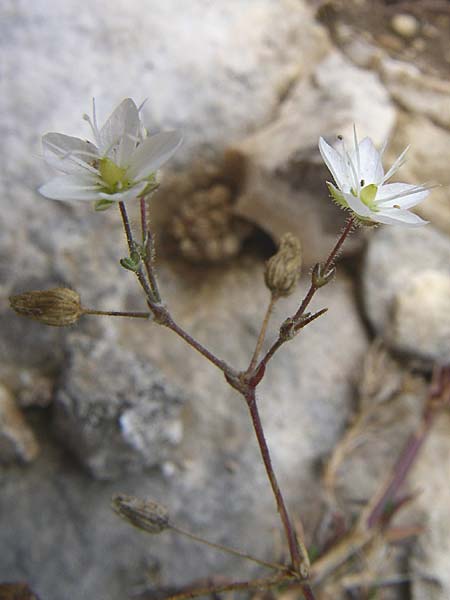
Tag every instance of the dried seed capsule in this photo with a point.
(284, 268)
(58, 307)
(143, 514)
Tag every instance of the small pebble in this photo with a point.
(406, 26)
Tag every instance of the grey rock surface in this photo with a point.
(397, 264)
(17, 441)
(115, 425)
(421, 317)
(227, 74)
(214, 483)
(430, 556)
(417, 92)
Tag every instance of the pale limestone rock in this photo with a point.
(115, 425)
(430, 558)
(417, 92)
(397, 264)
(285, 188)
(427, 161)
(420, 321)
(404, 25)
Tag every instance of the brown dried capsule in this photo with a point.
(284, 268)
(143, 514)
(58, 307)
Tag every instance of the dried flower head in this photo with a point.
(119, 166)
(362, 188)
(143, 514)
(58, 307)
(283, 268)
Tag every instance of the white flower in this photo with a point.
(362, 188)
(120, 165)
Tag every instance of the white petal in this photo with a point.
(68, 154)
(397, 164)
(397, 216)
(71, 188)
(121, 131)
(358, 207)
(152, 153)
(371, 169)
(403, 194)
(335, 163)
(130, 194)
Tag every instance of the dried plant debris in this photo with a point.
(202, 224)
(410, 30)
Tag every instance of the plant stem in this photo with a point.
(262, 333)
(131, 247)
(147, 239)
(221, 364)
(161, 313)
(328, 264)
(117, 313)
(438, 397)
(298, 561)
(210, 590)
(229, 550)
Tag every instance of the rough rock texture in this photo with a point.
(427, 162)
(285, 189)
(228, 74)
(430, 559)
(214, 483)
(115, 425)
(17, 441)
(421, 317)
(398, 263)
(416, 92)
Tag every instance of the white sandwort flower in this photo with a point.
(362, 188)
(120, 165)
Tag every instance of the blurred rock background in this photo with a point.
(113, 406)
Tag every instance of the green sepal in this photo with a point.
(103, 204)
(152, 185)
(337, 195)
(132, 262)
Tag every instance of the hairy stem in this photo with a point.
(148, 241)
(151, 299)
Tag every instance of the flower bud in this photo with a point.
(284, 268)
(143, 514)
(57, 307)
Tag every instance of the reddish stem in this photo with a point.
(265, 454)
(328, 264)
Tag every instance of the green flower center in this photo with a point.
(368, 194)
(114, 177)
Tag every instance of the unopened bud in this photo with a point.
(57, 307)
(284, 268)
(143, 514)
(321, 276)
